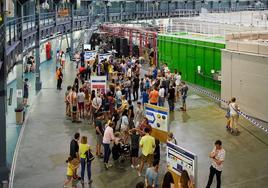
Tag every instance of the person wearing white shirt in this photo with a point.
(234, 115)
(161, 93)
(217, 158)
(177, 77)
(81, 102)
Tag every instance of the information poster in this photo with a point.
(179, 159)
(158, 117)
(90, 55)
(98, 83)
(104, 56)
(87, 47)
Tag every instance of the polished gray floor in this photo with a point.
(45, 145)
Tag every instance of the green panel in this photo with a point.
(208, 65)
(183, 60)
(186, 54)
(199, 61)
(191, 63)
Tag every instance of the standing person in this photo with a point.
(76, 82)
(105, 106)
(134, 147)
(234, 113)
(154, 96)
(157, 151)
(99, 133)
(136, 82)
(107, 138)
(168, 181)
(145, 97)
(228, 117)
(147, 143)
(161, 100)
(185, 181)
(81, 103)
(74, 149)
(127, 86)
(131, 115)
(25, 92)
(77, 59)
(67, 101)
(83, 149)
(111, 104)
(177, 78)
(124, 127)
(142, 85)
(151, 176)
(171, 98)
(96, 105)
(59, 77)
(138, 114)
(73, 99)
(217, 158)
(87, 103)
(74, 146)
(184, 91)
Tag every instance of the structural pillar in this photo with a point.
(121, 10)
(230, 4)
(136, 10)
(237, 4)
(130, 42)
(106, 19)
(38, 83)
(4, 171)
(211, 5)
(71, 33)
(153, 4)
(169, 8)
(219, 6)
(141, 51)
(19, 76)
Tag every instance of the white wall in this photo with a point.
(245, 76)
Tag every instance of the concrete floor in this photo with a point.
(45, 144)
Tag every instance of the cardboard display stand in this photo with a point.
(179, 159)
(159, 120)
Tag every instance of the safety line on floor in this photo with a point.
(247, 117)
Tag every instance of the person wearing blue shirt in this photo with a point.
(151, 176)
(145, 97)
(155, 73)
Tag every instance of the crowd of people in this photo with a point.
(121, 127)
(121, 130)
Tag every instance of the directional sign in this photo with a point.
(150, 117)
(157, 116)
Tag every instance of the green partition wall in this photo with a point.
(186, 54)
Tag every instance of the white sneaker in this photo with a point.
(138, 166)
(132, 166)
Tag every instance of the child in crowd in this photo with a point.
(171, 138)
(72, 166)
(228, 118)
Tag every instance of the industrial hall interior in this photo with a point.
(133, 93)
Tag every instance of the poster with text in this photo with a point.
(158, 117)
(90, 55)
(179, 159)
(98, 83)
